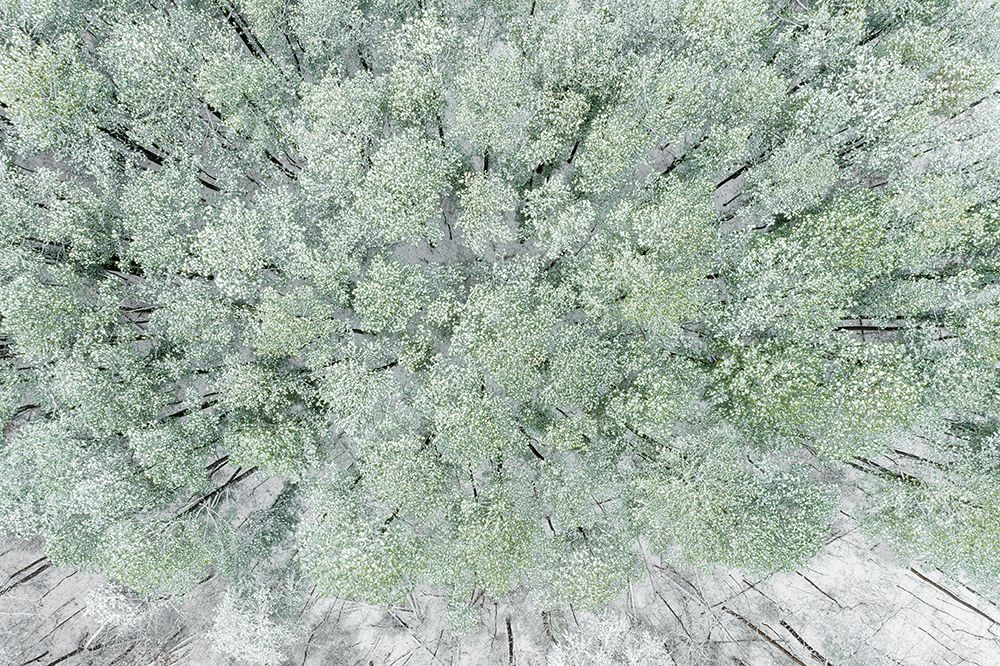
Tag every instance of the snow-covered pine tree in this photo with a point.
(497, 291)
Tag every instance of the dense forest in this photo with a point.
(498, 298)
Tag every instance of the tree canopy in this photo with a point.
(504, 294)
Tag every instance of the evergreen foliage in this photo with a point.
(500, 293)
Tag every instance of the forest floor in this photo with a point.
(850, 606)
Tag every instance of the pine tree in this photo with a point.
(497, 295)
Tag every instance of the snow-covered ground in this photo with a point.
(853, 605)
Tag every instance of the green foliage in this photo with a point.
(173, 455)
(389, 296)
(507, 327)
(295, 324)
(46, 318)
(951, 522)
(494, 538)
(160, 211)
(340, 118)
(486, 202)
(423, 51)
(153, 76)
(196, 321)
(399, 199)
(404, 474)
(57, 100)
(556, 220)
(699, 501)
(352, 552)
(494, 295)
(287, 448)
(152, 557)
(233, 249)
(586, 569)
